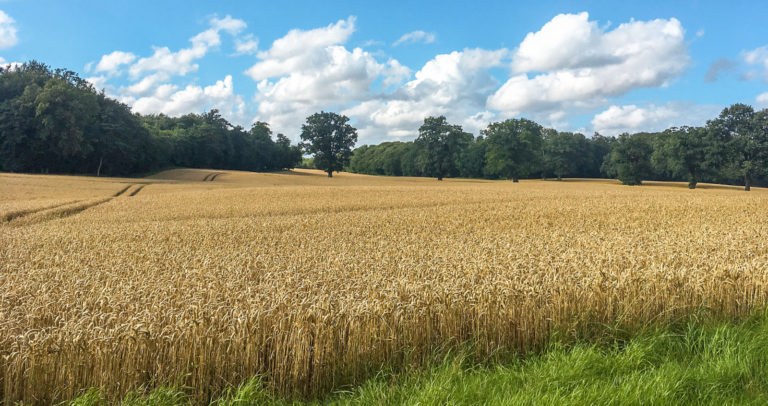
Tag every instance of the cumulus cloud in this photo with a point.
(758, 56)
(10, 65)
(296, 42)
(98, 82)
(183, 61)
(229, 24)
(570, 65)
(149, 88)
(416, 36)
(454, 85)
(111, 62)
(168, 99)
(584, 64)
(717, 67)
(8, 31)
(305, 71)
(631, 118)
(762, 100)
(248, 45)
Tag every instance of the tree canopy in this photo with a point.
(513, 148)
(330, 138)
(53, 121)
(442, 143)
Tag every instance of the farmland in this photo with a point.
(209, 278)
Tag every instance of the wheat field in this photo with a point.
(207, 278)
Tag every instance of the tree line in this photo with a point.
(52, 121)
(731, 148)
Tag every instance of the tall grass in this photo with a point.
(696, 363)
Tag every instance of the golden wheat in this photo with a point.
(316, 282)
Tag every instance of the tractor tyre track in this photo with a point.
(136, 191)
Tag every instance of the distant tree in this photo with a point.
(563, 152)
(599, 148)
(330, 138)
(682, 152)
(742, 137)
(513, 148)
(630, 160)
(286, 156)
(64, 113)
(441, 143)
(471, 162)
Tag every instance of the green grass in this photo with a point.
(717, 363)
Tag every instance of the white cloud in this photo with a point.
(229, 24)
(169, 100)
(296, 42)
(584, 65)
(247, 45)
(10, 65)
(372, 43)
(568, 66)
(98, 82)
(184, 61)
(762, 100)
(149, 91)
(758, 56)
(306, 71)
(146, 84)
(454, 85)
(416, 36)
(8, 31)
(631, 118)
(172, 63)
(111, 62)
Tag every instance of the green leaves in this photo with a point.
(330, 138)
(442, 143)
(513, 148)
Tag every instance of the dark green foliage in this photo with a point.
(682, 152)
(598, 151)
(731, 149)
(330, 138)
(564, 153)
(441, 145)
(630, 159)
(53, 121)
(388, 158)
(471, 162)
(513, 148)
(741, 142)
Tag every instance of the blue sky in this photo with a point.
(576, 66)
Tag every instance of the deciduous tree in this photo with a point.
(330, 138)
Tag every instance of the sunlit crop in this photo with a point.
(316, 283)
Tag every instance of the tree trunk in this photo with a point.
(98, 170)
(692, 179)
(330, 174)
(747, 181)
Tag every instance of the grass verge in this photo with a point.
(712, 362)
